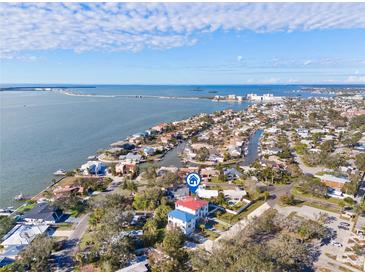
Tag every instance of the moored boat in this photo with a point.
(60, 172)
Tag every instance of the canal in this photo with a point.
(252, 148)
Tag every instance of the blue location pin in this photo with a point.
(193, 181)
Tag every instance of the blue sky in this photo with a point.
(183, 43)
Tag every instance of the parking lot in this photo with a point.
(333, 250)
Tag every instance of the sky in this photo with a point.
(182, 43)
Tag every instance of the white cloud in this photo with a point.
(239, 58)
(356, 79)
(134, 26)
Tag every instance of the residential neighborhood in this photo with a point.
(295, 164)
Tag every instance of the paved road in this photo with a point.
(277, 191)
(80, 228)
(63, 260)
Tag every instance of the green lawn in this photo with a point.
(211, 235)
(64, 226)
(297, 192)
(25, 208)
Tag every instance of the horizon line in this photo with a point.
(187, 84)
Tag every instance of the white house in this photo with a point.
(206, 193)
(185, 221)
(187, 212)
(196, 207)
(19, 237)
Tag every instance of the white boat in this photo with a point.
(60, 172)
(19, 197)
(92, 157)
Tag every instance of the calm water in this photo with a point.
(252, 148)
(41, 132)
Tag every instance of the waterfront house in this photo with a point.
(185, 170)
(93, 168)
(131, 157)
(160, 128)
(19, 237)
(65, 191)
(149, 151)
(43, 213)
(231, 173)
(164, 169)
(208, 173)
(126, 168)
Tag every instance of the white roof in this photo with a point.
(206, 193)
(332, 178)
(23, 234)
(234, 193)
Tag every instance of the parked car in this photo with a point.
(343, 227)
(337, 244)
(344, 224)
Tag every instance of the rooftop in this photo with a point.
(181, 215)
(43, 211)
(191, 203)
(23, 234)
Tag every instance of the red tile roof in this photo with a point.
(191, 203)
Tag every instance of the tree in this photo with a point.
(148, 199)
(150, 232)
(6, 223)
(266, 195)
(360, 207)
(287, 199)
(264, 245)
(328, 146)
(73, 202)
(36, 256)
(311, 185)
(202, 154)
(160, 215)
(116, 254)
(113, 170)
(294, 170)
(357, 121)
(353, 139)
(360, 161)
(285, 153)
(168, 179)
(311, 158)
(176, 258)
(149, 173)
(333, 161)
(130, 185)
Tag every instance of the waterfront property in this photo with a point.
(19, 237)
(43, 213)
